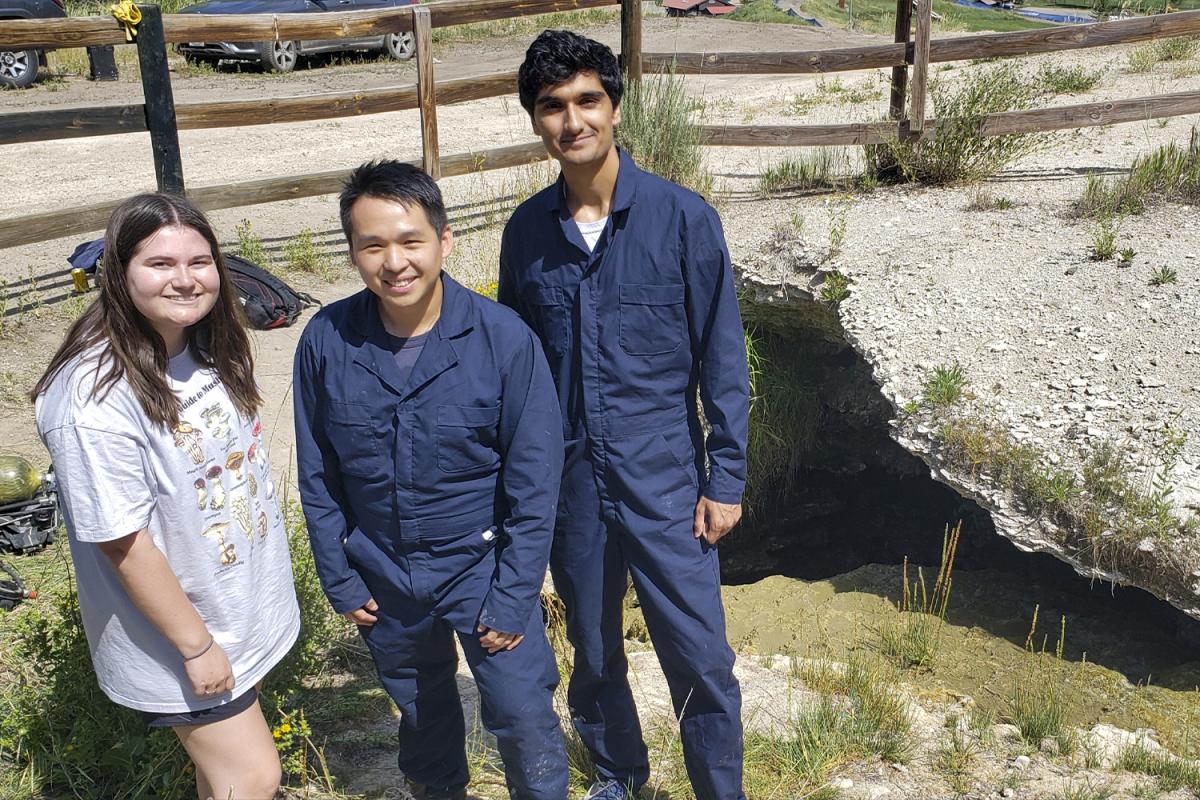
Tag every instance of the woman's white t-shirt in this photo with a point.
(204, 492)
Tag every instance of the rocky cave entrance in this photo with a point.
(831, 492)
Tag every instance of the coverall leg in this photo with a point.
(590, 575)
(417, 661)
(417, 665)
(514, 687)
(646, 498)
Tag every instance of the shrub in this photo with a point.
(958, 152)
(658, 130)
(303, 254)
(250, 244)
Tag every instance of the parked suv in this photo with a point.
(279, 56)
(19, 68)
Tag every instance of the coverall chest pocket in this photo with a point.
(554, 318)
(354, 438)
(652, 319)
(466, 437)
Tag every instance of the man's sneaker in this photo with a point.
(420, 791)
(608, 790)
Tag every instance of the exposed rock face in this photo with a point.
(873, 387)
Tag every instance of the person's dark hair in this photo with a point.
(129, 346)
(393, 180)
(557, 56)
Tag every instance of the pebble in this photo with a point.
(1021, 762)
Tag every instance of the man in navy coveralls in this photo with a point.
(626, 279)
(429, 446)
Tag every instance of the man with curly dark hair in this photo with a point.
(626, 279)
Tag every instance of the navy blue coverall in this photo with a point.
(631, 331)
(436, 496)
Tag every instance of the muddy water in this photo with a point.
(1119, 667)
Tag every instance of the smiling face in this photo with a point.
(576, 120)
(398, 254)
(173, 282)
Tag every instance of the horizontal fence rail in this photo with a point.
(959, 48)
(73, 123)
(82, 219)
(92, 31)
(1003, 123)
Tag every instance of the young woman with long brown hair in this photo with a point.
(149, 411)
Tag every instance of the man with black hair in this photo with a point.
(626, 279)
(429, 445)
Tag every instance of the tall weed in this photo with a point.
(959, 152)
(660, 129)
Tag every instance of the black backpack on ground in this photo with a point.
(268, 301)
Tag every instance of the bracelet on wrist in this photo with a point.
(207, 647)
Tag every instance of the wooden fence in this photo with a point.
(163, 118)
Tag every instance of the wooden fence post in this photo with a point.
(631, 39)
(160, 103)
(920, 80)
(900, 71)
(426, 96)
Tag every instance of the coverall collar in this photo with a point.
(438, 354)
(624, 194)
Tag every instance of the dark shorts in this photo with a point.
(215, 714)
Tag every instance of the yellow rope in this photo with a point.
(128, 15)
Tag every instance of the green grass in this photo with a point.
(879, 16)
(525, 26)
(786, 415)
(820, 168)
(1104, 237)
(1170, 173)
(983, 200)
(1077, 79)
(915, 638)
(1085, 790)
(857, 715)
(1172, 773)
(945, 385)
(1039, 703)
(660, 127)
(1146, 57)
(1163, 276)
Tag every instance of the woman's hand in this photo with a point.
(211, 674)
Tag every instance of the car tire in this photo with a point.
(278, 56)
(18, 68)
(400, 46)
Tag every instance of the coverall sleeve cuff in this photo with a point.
(350, 594)
(729, 494)
(504, 615)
